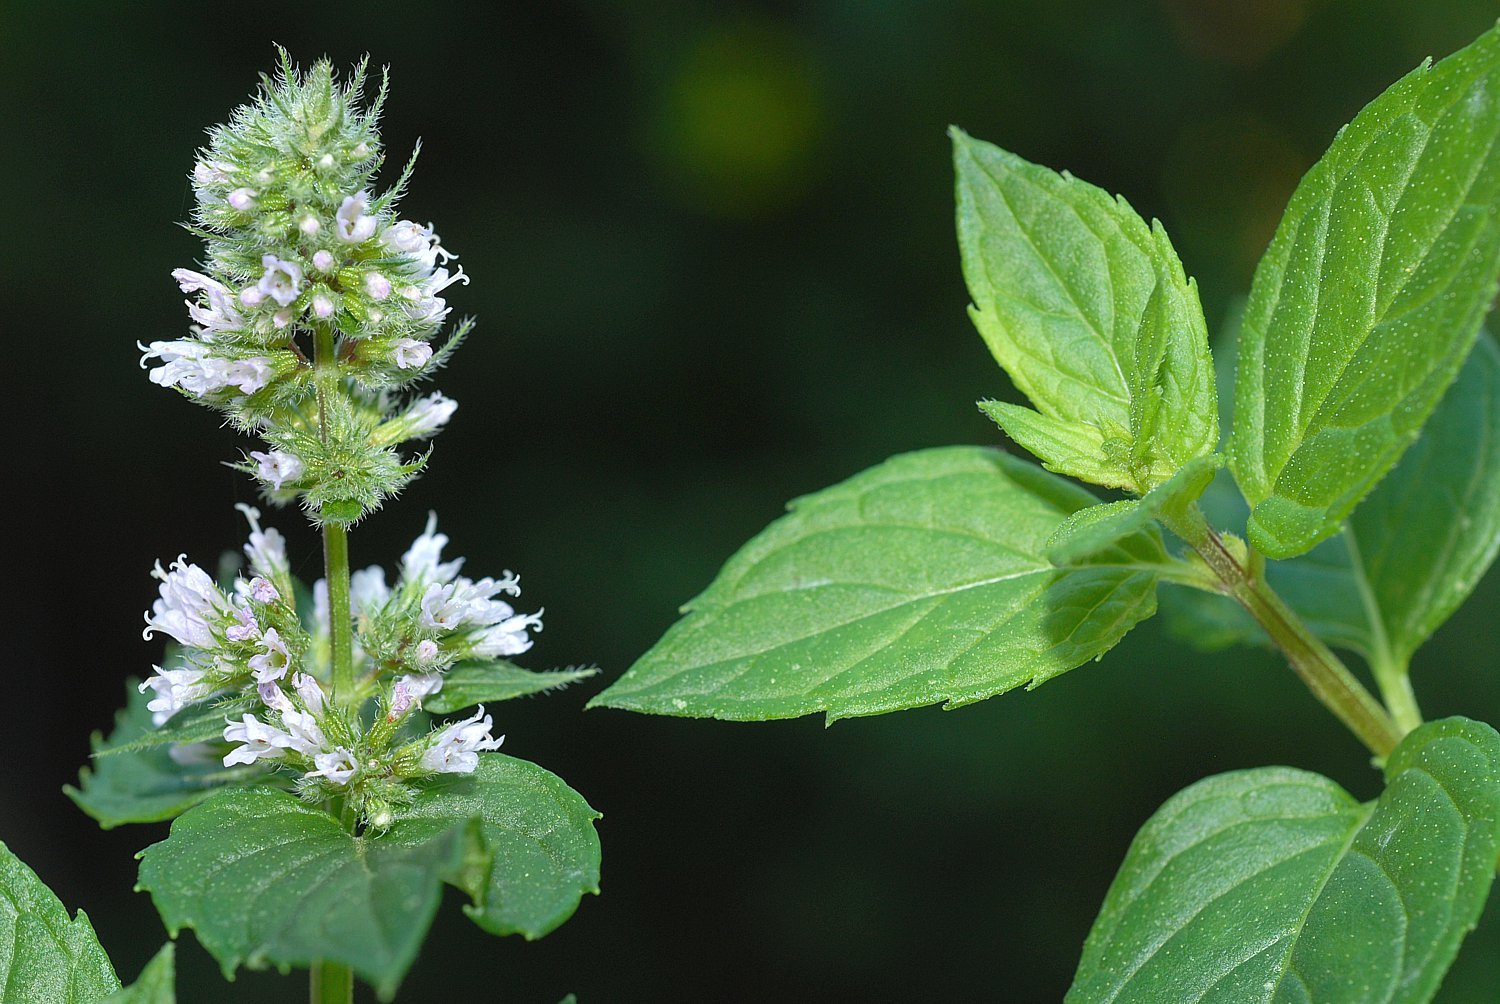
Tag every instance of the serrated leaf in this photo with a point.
(471, 683)
(1368, 298)
(1096, 528)
(265, 879)
(157, 983)
(46, 957)
(1410, 554)
(1089, 311)
(147, 785)
(538, 831)
(923, 579)
(1274, 885)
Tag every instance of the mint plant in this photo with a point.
(1361, 512)
(318, 808)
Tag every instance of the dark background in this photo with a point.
(714, 269)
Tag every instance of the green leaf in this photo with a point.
(157, 984)
(147, 785)
(923, 579)
(264, 878)
(471, 683)
(194, 725)
(539, 832)
(1410, 554)
(1087, 308)
(1368, 298)
(45, 956)
(1091, 530)
(1274, 885)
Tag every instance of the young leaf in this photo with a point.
(45, 956)
(1275, 885)
(539, 832)
(158, 982)
(1091, 530)
(923, 579)
(471, 683)
(1410, 554)
(1368, 298)
(1087, 308)
(147, 785)
(265, 879)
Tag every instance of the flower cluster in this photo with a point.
(306, 264)
(246, 651)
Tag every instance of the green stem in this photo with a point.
(1394, 681)
(1314, 663)
(335, 535)
(331, 983)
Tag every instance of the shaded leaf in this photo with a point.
(157, 983)
(1087, 308)
(1274, 885)
(538, 831)
(46, 957)
(148, 785)
(265, 879)
(923, 579)
(1368, 298)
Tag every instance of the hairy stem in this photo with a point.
(335, 535)
(1314, 663)
(331, 983)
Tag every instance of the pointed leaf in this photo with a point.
(1274, 885)
(1087, 308)
(158, 982)
(923, 579)
(471, 683)
(265, 879)
(46, 957)
(1091, 530)
(148, 785)
(191, 725)
(539, 832)
(1368, 298)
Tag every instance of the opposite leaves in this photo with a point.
(1087, 308)
(923, 579)
(1273, 885)
(1368, 298)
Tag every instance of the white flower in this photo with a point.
(188, 607)
(426, 652)
(421, 562)
(259, 739)
(219, 314)
(428, 415)
(367, 590)
(311, 693)
(303, 734)
(189, 365)
(242, 199)
(463, 603)
(266, 549)
(412, 354)
(322, 306)
(310, 226)
(212, 172)
(404, 235)
(272, 663)
(351, 223)
(245, 626)
(277, 467)
(508, 637)
(377, 286)
(323, 261)
(273, 697)
(337, 766)
(175, 690)
(455, 749)
(283, 317)
(251, 296)
(409, 691)
(282, 281)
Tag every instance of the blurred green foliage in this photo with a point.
(714, 268)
